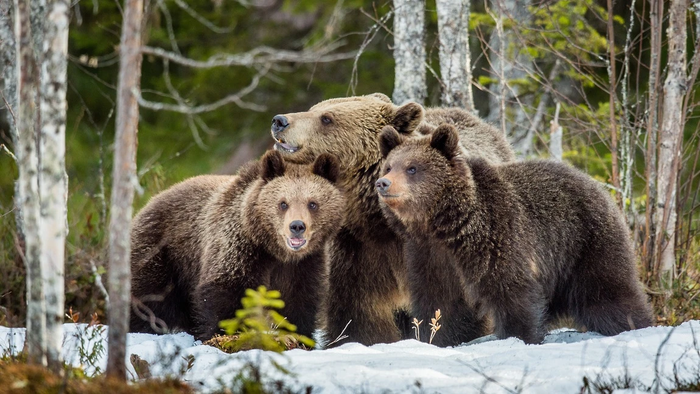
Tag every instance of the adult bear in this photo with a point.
(530, 240)
(368, 276)
(197, 246)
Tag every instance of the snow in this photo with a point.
(650, 356)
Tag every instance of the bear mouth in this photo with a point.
(280, 145)
(296, 243)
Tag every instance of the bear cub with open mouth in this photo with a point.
(529, 240)
(199, 245)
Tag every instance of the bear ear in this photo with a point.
(380, 96)
(446, 140)
(327, 166)
(408, 117)
(389, 139)
(272, 165)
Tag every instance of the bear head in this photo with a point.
(345, 127)
(419, 173)
(298, 207)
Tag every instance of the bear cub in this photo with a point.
(529, 241)
(199, 245)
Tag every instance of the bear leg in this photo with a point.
(434, 283)
(160, 305)
(521, 317)
(605, 295)
(216, 301)
(363, 288)
(303, 286)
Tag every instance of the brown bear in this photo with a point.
(199, 245)
(368, 277)
(530, 241)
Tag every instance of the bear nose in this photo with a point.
(297, 227)
(279, 123)
(382, 185)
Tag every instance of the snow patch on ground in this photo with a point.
(651, 356)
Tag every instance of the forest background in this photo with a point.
(578, 80)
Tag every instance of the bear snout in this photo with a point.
(297, 228)
(279, 123)
(382, 185)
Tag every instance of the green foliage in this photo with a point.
(259, 326)
(562, 29)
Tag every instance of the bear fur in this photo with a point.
(530, 241)
(368, 277)
(199, 245)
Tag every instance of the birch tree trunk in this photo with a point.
(124, 178)
(52, 174)
(670, 140)
(650, 255)
(556, 134)
(613, 111)
(455, 56)
(8, 56)
(27, 86)
(409, 51)
(509, 63)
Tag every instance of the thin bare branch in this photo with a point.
(204, 21)
(236, 98)
(9, 153)
(257, 56)
(9, 107)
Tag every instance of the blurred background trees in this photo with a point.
(622, 87)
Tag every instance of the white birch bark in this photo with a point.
(628, 137)
(509, 63)
(655, 16)
(8, 56)
(409, 51)
(27, 80)
(455, 56)
(555, 138)
(670, 140)
(37, 17)
(124, 178)
(52, 173)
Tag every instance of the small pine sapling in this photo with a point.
(258, 325)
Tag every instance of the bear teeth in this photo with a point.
(286, 147)
(296, 243)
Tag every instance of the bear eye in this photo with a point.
(388, 169)
(313, 206)
(283, 206)
(326, 120)
(411, 170)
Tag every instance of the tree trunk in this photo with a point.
(649, 251)
(409, 51)
(670, 141)
(509, 63)
(455, 57)
(27, 85)
(52, 174)
(124, 178)
(556, 133)
(611, 96)
(8, 56)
